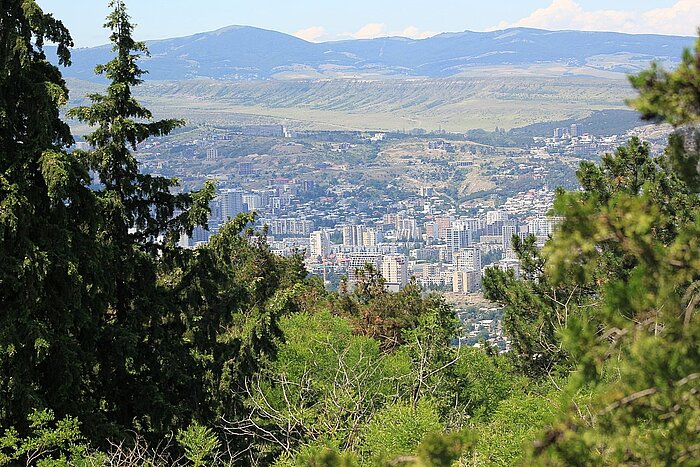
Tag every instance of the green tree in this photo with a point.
(474, 386)
(672, 97)
(538, 306)
(397, 430)
(516, 421)
(382, 314)
(533, 309)
(140, 219)
(50, 443)
(323, 387)
(636, 346)
(432, 358)
(136, 208)
(220, 320)
(49, 283)
(200, 443)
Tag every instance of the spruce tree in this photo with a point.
(141, 217)
(137, 208)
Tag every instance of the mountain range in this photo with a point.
(243, 52)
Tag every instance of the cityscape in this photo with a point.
(416, 233)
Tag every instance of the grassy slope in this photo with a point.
(452, 104)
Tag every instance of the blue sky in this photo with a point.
(319, 20)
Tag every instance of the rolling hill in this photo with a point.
(243, 52)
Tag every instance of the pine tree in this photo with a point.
(635, 345)
(539, 305)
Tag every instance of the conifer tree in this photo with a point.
(137, 207)
(636, 345)
(47, 312)
(539, 305)
(140, 219)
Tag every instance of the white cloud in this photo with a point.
(374, 30)
(414, 33)
(683, 18)
(311, 34)
(369, 31)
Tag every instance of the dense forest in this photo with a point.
(117, 347)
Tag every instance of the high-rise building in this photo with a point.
(253, 201)
(369, 237)
(390, 220)
(457, 239)
(542, 226)
(212, 154)
(469, 223)
(407, 229)
(508, 232)
(279, 227)
(319, 244)
(510, 264)
(395, 271)
(466, 281)
(468, 258)
(353, 235)
(359, 260)
(443, 223)
(431, 230)
(461, 234)
(574, 130)
(231, 202)
(495, 216)
(275, 203)
(199, 236)
(215, 210)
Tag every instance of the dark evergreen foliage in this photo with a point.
(48, 307)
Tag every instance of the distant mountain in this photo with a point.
(243, 52)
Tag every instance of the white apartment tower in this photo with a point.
(253, 201)
(369, 237)
(574, 130)
(468, 258)
(212, 154)
(495, 216)
(353, 235)
(359, 260)
(395, 271)
(319, 244)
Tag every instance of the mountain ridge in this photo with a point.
(246, 52)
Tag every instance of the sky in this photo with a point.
(323, 20)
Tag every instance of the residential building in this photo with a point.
(319, 244)
(395, 271)
(231, 202)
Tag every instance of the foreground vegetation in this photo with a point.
(119, 348)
